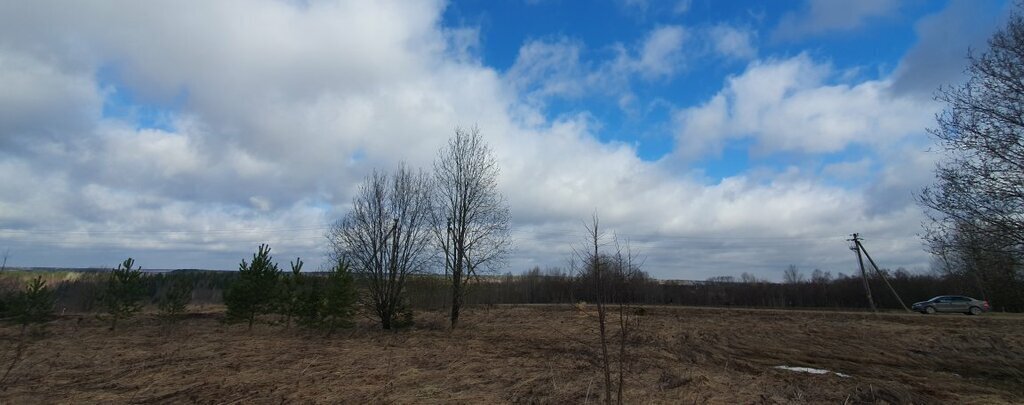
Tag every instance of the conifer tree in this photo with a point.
(33, 305)
(310, 304)
(292, 293)
(124, 292)
(340, 298)
(175, 300)
(255, 291)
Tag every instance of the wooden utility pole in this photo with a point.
(863, 275)
(860, 246)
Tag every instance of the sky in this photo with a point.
(717, 138)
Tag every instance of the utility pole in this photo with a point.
(863, 275)
(880, 273)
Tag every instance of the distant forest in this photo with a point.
(77, 292)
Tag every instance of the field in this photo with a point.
(527, 354)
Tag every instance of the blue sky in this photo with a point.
(870, 48)
(873, 48)
(721, 137)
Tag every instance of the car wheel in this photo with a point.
(975, 311)
(929, 310)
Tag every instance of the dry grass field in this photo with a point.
(534, 354)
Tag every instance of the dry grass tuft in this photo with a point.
(528, 354)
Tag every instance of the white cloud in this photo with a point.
(557, 67)
(733, 42)
(42, 103)
(821, 16)
(287, 107)
(661, 55)
(465, 43)
(788, 105)
(849, 170)
(549, 68)
(908, 169)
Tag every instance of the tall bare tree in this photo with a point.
(792, 275)
(976, 206)
(385, 238)
(471, 219)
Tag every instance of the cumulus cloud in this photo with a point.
(661, 53)
(733, 42)
(280, 109)
(557, 67)
(822, 16)
(789, 105)
(549, 68)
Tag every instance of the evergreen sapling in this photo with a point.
(340, 299)
(176, 298)
(256, 289)
(124, 292)
(33, 305)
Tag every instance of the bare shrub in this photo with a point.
(386, 238)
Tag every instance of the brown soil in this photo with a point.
(532, 354)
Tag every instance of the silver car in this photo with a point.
(951, 303)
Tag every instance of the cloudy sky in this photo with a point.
(718, 137)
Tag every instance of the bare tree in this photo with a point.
(982, 263)
(385, 238)
(471, 219)
(980, 183)
(792, 275)
(976, 206)
(594, 269)
(611, 278)
(626, 269)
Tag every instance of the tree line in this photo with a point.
(975, 209)
(555, 285)
(559, 286)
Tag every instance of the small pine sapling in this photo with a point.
(309, 305)
(256, 289)
(124, 292)
(340, 298)
(175, 299)
(291, 295)
(33, 305)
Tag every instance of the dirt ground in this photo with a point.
(533, 354)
